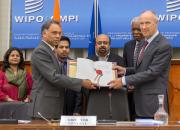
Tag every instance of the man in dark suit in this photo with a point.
(131, 47)
(106, 103)
(72, 99)
(150, 78)
(47, 95)
(130, 52)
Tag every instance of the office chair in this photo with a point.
(108, 104)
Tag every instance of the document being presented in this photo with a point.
(99, 72)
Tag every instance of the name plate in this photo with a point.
(78, 121)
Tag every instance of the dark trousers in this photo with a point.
(131, 106)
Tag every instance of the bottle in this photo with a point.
(161, 114)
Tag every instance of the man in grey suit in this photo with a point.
(150, 77)
(47, 96)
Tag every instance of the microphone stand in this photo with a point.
(110, 104)
(110, 120)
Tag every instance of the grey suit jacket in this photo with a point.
(151, 77)
(48, 84)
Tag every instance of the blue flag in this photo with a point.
(94, 30)
(91, 49)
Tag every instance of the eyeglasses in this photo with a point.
(102, 42)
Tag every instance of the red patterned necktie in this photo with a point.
(136, 52)
(141, 54)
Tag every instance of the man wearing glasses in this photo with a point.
(103, 53)
(106, 103)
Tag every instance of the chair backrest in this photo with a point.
(14, 110)
(113, 107)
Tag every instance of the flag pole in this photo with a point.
(56, 15)
(96, 18)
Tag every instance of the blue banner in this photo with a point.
(116, 16)
(29, 15)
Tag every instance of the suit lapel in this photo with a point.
(132, 52)
(140, 47)
(95, 58)
(150, 47)
(51, 53)
(110, 58)
(152, 44)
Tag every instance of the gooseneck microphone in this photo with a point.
(43, 117)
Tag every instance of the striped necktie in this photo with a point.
(141, 54)
(136, 52)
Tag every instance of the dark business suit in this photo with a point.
(72, 99)
(98, 102)
(151, 77)
(128, 53)
(48, 83)
(128, 57)
(72, 102)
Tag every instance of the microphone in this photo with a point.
(43, 117)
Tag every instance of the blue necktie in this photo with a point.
(64, 67)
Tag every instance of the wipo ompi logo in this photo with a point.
(172, 5)
(32, 6)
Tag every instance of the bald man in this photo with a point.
(150, 77)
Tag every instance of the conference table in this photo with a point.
(43, 125)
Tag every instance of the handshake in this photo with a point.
(114, 84)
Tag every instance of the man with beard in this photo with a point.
(103, 53)
(72, 99)
(107, 103)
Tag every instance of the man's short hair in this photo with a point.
(47, 24)
(64, 38)
(135, 19)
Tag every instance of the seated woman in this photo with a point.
(15, 82)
